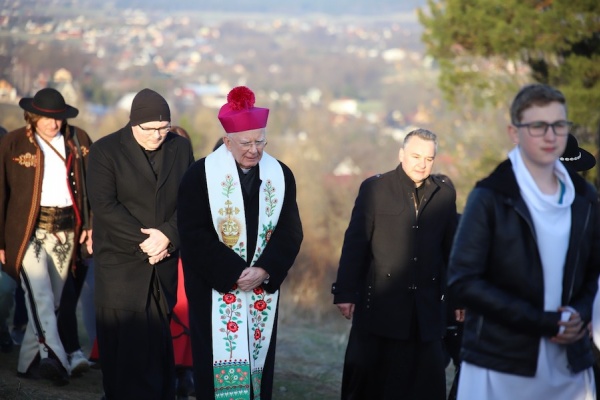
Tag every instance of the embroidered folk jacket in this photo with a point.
(21, 175)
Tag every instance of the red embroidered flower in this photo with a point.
(234, 286)
(258, 290)
(260, 305)
(257, 334)
(268, 235)
(232, 326)
(229, 298)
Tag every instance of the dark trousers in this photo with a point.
(381, 368)
(452, 343)
(66, 319)
(136, 352)
(20, 314)
(596, 367)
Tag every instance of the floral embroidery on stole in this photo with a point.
(242, 322)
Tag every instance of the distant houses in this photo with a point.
(8, 93)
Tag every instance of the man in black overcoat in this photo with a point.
(133, 177)
(391, 279)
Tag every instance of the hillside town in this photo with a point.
(299, 61)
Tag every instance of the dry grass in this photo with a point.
(310, 356)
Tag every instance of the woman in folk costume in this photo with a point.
(42, 226)
(240, 233)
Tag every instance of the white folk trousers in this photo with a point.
(45, 267)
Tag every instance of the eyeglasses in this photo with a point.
(161, 130)
(539, 128)
(260, 144)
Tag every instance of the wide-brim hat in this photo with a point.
(50, 103)
(239, 113)
(577, 158)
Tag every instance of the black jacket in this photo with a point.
(496, 273)
(126, 196)
(393, 263)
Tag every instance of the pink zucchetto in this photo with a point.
(239, 113)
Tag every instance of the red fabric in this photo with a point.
(239, 113)
(182, 346)
(94, 356)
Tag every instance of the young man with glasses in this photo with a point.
(525, 265)
(240, 233)
(133, 178)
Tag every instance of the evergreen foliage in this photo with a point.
(486, 49)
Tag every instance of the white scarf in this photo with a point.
(239, 354)
(552, 223)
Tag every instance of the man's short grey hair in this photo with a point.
(423, 134)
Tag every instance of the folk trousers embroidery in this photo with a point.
(43, 274)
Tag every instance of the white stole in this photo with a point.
(242, 322)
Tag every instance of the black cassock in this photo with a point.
(209, 264)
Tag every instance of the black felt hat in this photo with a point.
(576, 157)
(149, 106)
(50, 103)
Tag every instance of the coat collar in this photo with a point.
(502, 180)
(133, 151)
(429, 186)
